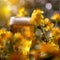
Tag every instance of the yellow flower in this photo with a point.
(26, 45)
(46, 20)
(22, 12)
(18, 36)
(56, 17)
(8, 35)
(55, 31)
(17, 56)
(39, 11)
(37, 16)
(2, 31)
(42, 22)
(48, 24)
(57, 39)
(49, 48)
(45, 47)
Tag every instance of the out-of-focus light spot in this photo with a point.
(14, 9)
(48, 6)
(41, 1)
(22, 2)
(6, 10)
(14, 2)
(5, 0)
(9, 3)
(9, 7)
(7, 16)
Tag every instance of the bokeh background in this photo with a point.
(9, 8)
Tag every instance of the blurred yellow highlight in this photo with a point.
(6, 10)
(22, 12)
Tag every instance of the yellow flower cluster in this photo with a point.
(21, 42)
(23, 46)
(48, 24)
(22, 12)
(52, 47)
(37, 16)
(56, 17)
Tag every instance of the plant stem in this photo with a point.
(40, 27)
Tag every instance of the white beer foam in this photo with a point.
(14, 20)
